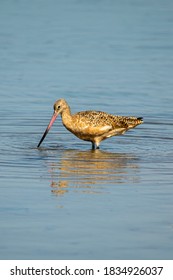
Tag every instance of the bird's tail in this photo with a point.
(140, 120)
(133, 122)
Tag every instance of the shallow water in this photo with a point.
(65, 201)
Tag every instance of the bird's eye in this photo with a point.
(56, 108)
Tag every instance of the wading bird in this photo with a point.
(93, 126)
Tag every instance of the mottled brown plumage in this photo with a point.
(93, 126)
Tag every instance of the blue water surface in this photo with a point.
(65, 201)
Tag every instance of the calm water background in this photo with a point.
(64, 201)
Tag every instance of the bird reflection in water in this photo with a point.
(91, 172)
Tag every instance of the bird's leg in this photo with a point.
(97, 144)
(93, 146)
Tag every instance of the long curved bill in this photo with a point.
(55, 115)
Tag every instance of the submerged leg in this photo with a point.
(97, 145)
(93, 146)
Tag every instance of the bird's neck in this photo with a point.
(66, 117)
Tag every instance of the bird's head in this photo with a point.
(59, 106)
